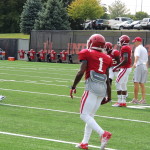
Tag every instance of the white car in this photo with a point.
(119, 26)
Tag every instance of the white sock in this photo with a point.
(87, 134)
(119, 98)
(123, 98)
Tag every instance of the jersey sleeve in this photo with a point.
(83, 54)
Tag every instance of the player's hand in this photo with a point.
(105, 100)
(72, 90)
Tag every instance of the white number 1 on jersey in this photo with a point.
(100, 64)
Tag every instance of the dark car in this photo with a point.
(98, 24)
(131, 25)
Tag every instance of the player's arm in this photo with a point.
(78, 77)
(80, 73)
(125, 60)
(117, 58)
(135, 61)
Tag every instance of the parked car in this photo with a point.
(131, 25)
(98, 24)
(145, 23)
(87, 25)
(109, 23)
(120, 26)
(137, 26)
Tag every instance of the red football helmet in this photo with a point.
(108, 47)
(123, 40)
(96, 41)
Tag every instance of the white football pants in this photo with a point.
(89, 105)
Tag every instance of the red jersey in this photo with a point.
(21, 53)
(31, 53)
(53, 55)
(113, 55)
(97, 61)
(126, 49)
(63, 55)
(42, 54)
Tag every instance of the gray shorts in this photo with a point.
(140, 74)
(97, 88)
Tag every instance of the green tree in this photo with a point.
(105, 15)
(118, 9)
(85, 9)
(29, 14)
(10, 11)
(140, 15)
(52, 17)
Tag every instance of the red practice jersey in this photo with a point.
(21, 53)
(97, 61)
(126, 49)
(42, 54)
(113, 55)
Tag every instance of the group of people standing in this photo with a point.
(100, 63)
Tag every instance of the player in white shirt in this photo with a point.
(141, 70)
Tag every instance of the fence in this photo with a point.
(74, 41)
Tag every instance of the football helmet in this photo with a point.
(108, 47)
(123, 40)
(96, 41)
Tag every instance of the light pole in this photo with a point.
(141, 4)
(135, 6)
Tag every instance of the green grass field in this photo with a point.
(15, 35)
(38, 114)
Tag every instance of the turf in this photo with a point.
(14, 35)
(37, 104)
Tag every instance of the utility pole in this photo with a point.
(141, 4)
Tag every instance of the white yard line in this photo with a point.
(46, 139)
(68, 112)
(35, 82)
(37, 72)
(37, 93)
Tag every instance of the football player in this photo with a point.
(95, 65)
(115, 55)
(125, 69)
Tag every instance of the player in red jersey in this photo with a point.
(95, 65)
(115, 55)
(21, 53)
(125, 69)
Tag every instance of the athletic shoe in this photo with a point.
(119, 105)
(1, 97)
(116, 105)
(82, 146)
(104, 139)
(123, 105)
(142, 101)
(134, 101)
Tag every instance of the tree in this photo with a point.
(52, 17)
(85, 9)
(105, 15)
(140, 15)
(118, 9)
(10, 11)
(29, 14)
